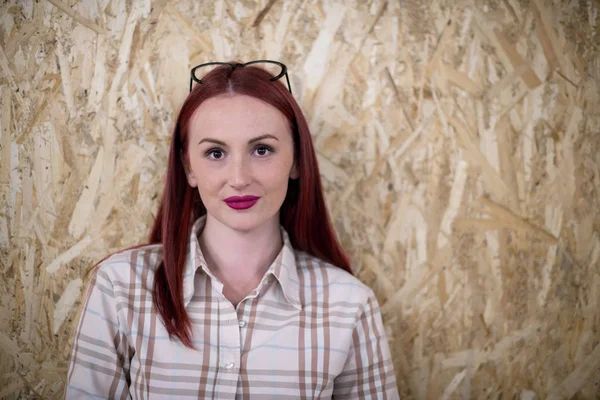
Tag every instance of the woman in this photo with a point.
(244, 291)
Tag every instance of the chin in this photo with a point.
(237, 224)
(243, 221)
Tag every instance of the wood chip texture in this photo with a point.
(459, 145)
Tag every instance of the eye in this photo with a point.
(214, 154)
(263, 150)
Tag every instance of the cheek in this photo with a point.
(207, 179)
(276, 176)
(208, 182)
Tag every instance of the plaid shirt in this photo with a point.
(309, 330)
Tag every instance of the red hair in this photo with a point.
(303, 214)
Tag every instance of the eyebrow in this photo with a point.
(256, 139)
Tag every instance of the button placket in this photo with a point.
(229, 339)
(242, 323)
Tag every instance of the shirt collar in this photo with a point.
(283, 268)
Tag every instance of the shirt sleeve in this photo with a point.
(368, 372)
(99, 365)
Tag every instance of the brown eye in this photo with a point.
(263, 150)
(215, 154)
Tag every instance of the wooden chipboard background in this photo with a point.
(458, 142)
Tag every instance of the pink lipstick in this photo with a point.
(241, 202)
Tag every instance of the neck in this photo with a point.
(240, 256)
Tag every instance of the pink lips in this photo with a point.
(241, 202)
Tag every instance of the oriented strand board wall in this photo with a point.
(459, 145)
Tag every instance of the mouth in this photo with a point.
(241, 202)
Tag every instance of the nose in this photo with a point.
(239, 173)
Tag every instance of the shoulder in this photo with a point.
(129, 265)
(340, 285)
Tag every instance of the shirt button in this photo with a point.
(229, 366)
(242, 323)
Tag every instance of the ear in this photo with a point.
(189, 174)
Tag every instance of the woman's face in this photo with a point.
(240, 157)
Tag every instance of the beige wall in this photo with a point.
(458, 142)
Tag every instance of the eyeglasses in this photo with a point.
(274, 67)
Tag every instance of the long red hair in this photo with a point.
(303, 214)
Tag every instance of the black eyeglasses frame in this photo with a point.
(194, 78)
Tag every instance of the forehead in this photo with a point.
(236, 116)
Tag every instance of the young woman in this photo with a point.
(244, 291)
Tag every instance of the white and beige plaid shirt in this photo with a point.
(309, 330)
